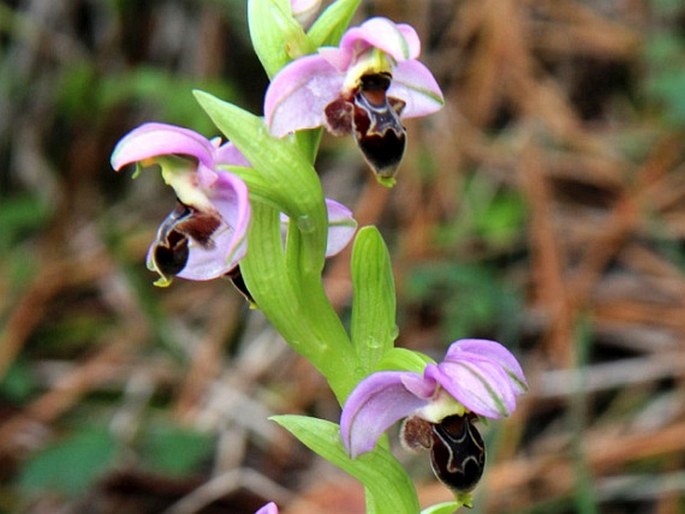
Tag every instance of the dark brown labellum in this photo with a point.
(458, 453)
(172, 257)
(171, 247)
(374, 120)
(377, 126)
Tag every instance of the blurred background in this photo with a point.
(544, 207)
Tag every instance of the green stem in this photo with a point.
(293, 300)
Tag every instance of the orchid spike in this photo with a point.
(364, 87)
(204, 236)
(477, 377)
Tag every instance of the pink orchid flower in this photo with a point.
(363, 87)
(478, 377)
(204, 236)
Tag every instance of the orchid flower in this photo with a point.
(204, 236)
(478, 377)
(363, 87)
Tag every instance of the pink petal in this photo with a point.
(341, 227)
(493, 351)
(339, 58)
(376, 403)
(482, 389)
(412, 39)
(155, 139)
(298, 94)
(415, 84)
(399, 41)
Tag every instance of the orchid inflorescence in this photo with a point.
(252, 210)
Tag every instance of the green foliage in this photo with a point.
(75, 462)
(72, 332)
(70, 465)
(470, 298)
(664, 55)
(83, 93)
(666, 84)
(18, 382)
(175, 451)
(489, 215)
(20, 217)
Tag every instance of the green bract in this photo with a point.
(389, 490)
(330, 26)
(373, 311)
(277, 37)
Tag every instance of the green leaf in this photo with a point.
(373, 310)
(470, 298)
(401, 359)
(166, 92)
(71, 465)
(332, 23)
(277, 36)
(389, 489)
